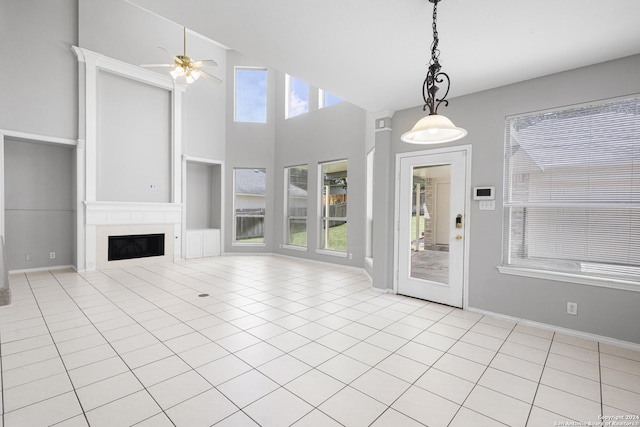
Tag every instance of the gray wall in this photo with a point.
(123, 31)
(39, 72)
(336, 132)
(602, 311)
(134, 141)
(249, 145)
(39, 215)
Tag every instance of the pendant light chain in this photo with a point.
(435, 53)
(434, 75)
(434, 128)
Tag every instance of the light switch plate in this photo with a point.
(488, 205)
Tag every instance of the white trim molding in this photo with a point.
(97, 213)
(602, 282)
(566, 331)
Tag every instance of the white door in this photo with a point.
(431, 216)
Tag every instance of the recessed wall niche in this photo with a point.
(133, 140)
(203, 196)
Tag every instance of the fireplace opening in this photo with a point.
(135, 246)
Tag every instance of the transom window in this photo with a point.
(572, 190)
(297, 97)
(327, 99)
(251, 95)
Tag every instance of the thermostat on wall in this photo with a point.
(484, 193)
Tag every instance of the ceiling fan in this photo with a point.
(186, 67)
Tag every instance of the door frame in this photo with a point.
(466, 149)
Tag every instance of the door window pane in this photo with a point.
(430, 223)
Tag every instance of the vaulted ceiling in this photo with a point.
(374, 53)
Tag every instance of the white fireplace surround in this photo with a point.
(104, 219)
(98, 219)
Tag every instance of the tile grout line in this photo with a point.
(109, 343)
(461, 405)
(600, 378)
(1, 379)
(57, 350)
(540, 379)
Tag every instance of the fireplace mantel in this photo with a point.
(112, 213)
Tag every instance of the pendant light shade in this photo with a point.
(434, 128)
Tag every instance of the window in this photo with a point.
(251, 95)
(297, 97)
(572, 191)
(333, 179)
(326, 99)
(369, 229)
(296, 205)
(249, 202)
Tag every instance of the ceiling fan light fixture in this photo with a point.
(177, 72)
(434, 128)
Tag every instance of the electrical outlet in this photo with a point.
(572, 308)
(52, 255)
(27, 257)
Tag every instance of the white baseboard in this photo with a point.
(566, 331)
(33, 270)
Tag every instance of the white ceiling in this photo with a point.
(374, 53)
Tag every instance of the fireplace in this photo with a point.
(135, 246)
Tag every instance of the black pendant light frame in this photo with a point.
(434, 75)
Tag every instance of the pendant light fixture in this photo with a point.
(434, 128)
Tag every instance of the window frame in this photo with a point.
(287, 97)
(234, 240)
(287, 218)
(321, 100)
(583, 278)
(321, 212)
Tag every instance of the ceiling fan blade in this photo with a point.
(175, 58)
(157, 65)
(216, 79)
(205, 63)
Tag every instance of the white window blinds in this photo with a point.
(572, 190)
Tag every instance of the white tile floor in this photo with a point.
(282, 342)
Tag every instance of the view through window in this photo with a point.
(572, 190)
(334, 205)
(251, 95)
(249, 202)
(296, 205)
